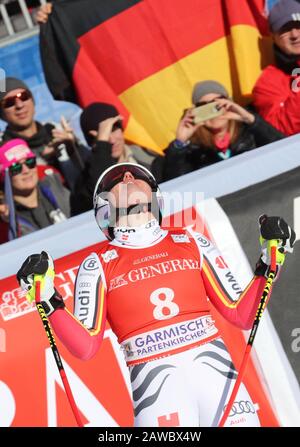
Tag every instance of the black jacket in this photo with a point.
(179, 161)
(284, 61)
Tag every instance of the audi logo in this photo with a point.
(240, 407)
(85, 284)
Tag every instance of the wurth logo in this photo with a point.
(233, 282)
(221, 264)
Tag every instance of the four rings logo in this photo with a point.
(90, 264)
(84, 284)
(241, 407)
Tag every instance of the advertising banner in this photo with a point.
(31, 391)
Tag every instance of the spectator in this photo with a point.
(51, 145)
(29, 204)
(235, 131)
(102, 127)
(276, 93)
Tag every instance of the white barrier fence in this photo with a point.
(214, 181)
(17, 19)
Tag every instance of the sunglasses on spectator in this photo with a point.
(117, 125)
(16, 168)
(203, 103)
(10, 101)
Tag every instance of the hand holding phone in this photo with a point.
(206, 112)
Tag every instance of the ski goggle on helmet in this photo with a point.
(105, 212)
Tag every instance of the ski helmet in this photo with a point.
(103, 208)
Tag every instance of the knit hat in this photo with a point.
(205, 87)
(93, 114)
(12, 152)
(283, 12)
(12, 84)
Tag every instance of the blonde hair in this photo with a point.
(204, 137)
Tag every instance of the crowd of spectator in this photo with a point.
(48, 175)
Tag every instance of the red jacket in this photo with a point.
(276, 101)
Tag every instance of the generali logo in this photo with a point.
(151, 271)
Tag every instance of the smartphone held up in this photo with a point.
(206, 112)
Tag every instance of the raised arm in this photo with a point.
(224, 291)
(236, 305)
(81, 333)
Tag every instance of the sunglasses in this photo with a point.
(16, 168)
(11, 100)
(117, 125)
(203, 103)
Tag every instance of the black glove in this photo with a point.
(275, 227)
(40, 267)
(271, 228)
(36, 264)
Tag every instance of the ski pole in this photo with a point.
(260, 309)
(49, 333)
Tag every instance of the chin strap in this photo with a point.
(134, 209)
(116, 213)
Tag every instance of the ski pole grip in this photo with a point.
(272, 248)
(37, 284)
(273, 243)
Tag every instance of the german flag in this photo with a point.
(144, 56)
